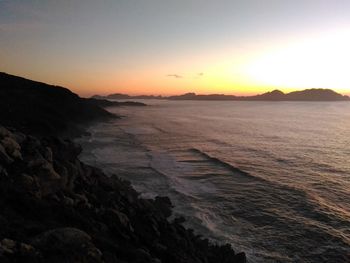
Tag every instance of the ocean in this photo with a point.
(270, 178)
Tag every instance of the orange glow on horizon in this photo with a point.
(318, 62)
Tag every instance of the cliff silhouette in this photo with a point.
(39, 108)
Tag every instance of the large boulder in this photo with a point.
(4, 157)
(9, 147)
(12, 147)
(67, 245)
(12, 251)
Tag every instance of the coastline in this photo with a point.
(88, 214)
(55, 208)
(140, 166)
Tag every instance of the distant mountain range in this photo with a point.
(276, 95)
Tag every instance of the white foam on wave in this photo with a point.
(167, 165)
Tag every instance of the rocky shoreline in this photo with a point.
(54, 208)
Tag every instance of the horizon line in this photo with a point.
(222, 94)
(168, 95)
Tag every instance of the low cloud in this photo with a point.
(199, 75)
(174, 76)
(177, 76)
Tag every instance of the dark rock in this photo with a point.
(47, 154)
(164, 205)
(4, 132)
(8, 246)
(28, 184)
(3, 172)
(48, 178)
(4, 157)
(67, 244)
(12, 251)
(57, 238)
(179, 220)
(12, 147)
(241, 257)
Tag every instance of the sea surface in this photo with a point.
(270, 178)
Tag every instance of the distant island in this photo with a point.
(120, 96)
(276, 95)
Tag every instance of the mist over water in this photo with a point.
(272, 179)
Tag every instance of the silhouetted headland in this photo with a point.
(36, 107)
(54, 208)
(276, 95)
(39, 108)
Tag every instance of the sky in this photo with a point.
(170, 47)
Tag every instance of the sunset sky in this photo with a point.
(174, 46)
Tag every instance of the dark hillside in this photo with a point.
(39, 108)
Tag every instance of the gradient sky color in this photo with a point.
(176, 46)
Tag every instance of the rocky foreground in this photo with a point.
(54, 208)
